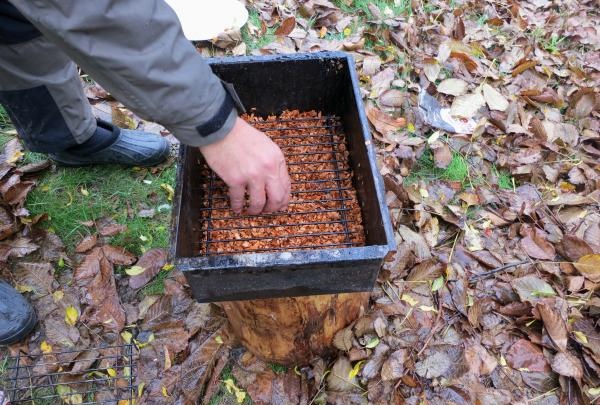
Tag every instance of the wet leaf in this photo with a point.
(435, 365)
(134, 270)
(393, 367)
(112, 229)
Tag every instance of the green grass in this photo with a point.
(222, 396)
(278, 368)
(72, 195)
(256, 42)
(505, 180)
(388, 8)
(425, 169)
(157, 286)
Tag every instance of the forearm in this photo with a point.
(137, 51)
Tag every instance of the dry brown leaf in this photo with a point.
(286, 27)
(494, 99)
(112, 229)
(35, 277)
(568, 365)
(384, 123)
(343, 339)
(536, 246)
(453, 87)
(339, 378)
(118, 255)
(573, 247)
(525, 355)
(555, 325)
(151, 261)
(393, 367)
(392, 98)
(466, 106)
(86, 244)
(589, 267)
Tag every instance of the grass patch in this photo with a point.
(222, 396)
(425, 169)
(157, 285)
(256, 42)
(73, 195)
(505, 180)
(278, 368)
(388, 8)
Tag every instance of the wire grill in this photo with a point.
(323, 211)
(84, 377)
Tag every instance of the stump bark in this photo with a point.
(291, 331)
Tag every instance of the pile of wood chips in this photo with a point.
(317, 160)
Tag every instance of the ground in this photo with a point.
(486, 122)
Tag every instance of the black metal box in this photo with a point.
(326, 82)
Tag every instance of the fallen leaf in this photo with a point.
(555, 325)
(286, 27)
(536, 246)
(589, 267)
(467, 105)
(384, 123)
(112, 229)
(494, 99)
(36, 277)
(392, 98)
(435, 365)
(393, 367)
(151, 262)
(568, 365)
(71, 315)
(343, 339)
(86, 244)
(531, 288)
(525, 355)
(339, 378)
(453, 87)
(134, 270)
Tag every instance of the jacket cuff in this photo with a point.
(222, 122)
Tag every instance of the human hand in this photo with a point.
(247, 160)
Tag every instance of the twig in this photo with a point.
(478, 277)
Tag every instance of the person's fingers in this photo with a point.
(256, 191)
(278, 191)
(237, 194)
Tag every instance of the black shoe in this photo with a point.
(129, 148)
(17, 317)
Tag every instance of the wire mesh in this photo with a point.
(84, 377)
(323, 211)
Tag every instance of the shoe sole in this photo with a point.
(23, 332)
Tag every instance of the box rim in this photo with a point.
(368, 138)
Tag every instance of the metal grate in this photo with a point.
(85, 377)
(323, 211)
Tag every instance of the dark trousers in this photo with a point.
(40, 88)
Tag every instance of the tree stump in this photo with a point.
(291, 331)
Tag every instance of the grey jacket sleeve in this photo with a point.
(137, 51)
